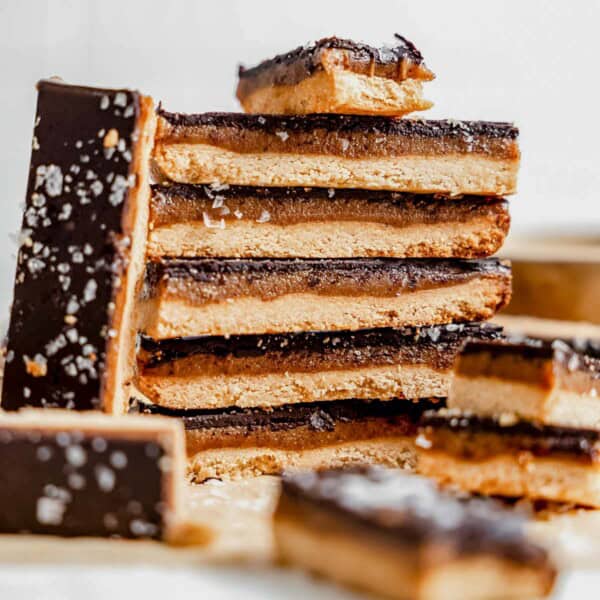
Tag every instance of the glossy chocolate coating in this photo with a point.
(70, 259)
(76, 483)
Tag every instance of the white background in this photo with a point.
(532, 62)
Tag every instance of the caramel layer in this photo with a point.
(181, 203)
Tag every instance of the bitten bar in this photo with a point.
(71, 338)
(339, 151)
(335, 75)
(285, 368)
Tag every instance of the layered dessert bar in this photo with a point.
(241, 442)
(198, 296)
(505, 457)
(335, 75)
(555, 383)
(340, 151)
(396, 535)
(241, 221)
(286, 368)
(70, 474)
(71, 339)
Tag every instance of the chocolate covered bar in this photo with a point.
(242, 442)
(335, 75)
(286, 368)
(339, 151)
(71, 338)
(195, 296)
(505, 457)
(551, 382)
(242, 221)
(69, 474)
(396, 535)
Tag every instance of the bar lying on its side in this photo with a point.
(71, 340)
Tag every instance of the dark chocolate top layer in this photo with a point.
(72, 249)
(242, 346)
(410, 509)
(410, 273)
(317, 416)
(298, 64)
(345, 124)
(542, 439)
(309, 54)
(573, 355)
(73, 483)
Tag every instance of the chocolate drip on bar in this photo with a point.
(180, 203)
(72, 483)
(349, 124)
(243, 346)
(407, 273)
(539, 439)
(305, 60)
(317, 416)
(72, 250)
(408, 509)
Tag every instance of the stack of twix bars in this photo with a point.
(523, 421)
(314, 265)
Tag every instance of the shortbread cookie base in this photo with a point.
(475, 300)
(517, 475)
(236, 463)
(394, 572)
(276, 389)
(547, 328)
(339, 91)
(333, 239)
(450, 173)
